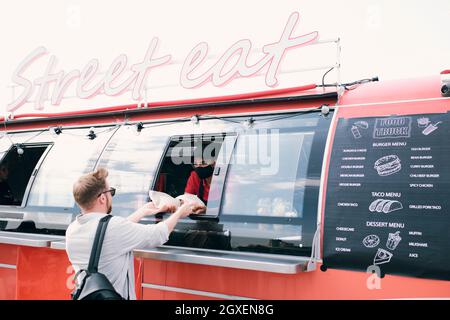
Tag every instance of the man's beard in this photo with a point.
(109, 208)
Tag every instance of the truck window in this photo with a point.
(271, 192)
(16, 171)
(132, 160)
(135, 161)
(195, 165)
(269, 186)
(72, 155)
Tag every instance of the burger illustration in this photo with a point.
(388, 165)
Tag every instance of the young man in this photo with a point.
(94, 197)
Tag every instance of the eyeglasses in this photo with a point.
(112, 190)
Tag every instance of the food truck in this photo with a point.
(347, 198)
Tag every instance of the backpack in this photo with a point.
(95, 285)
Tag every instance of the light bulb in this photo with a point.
(249, 123)
(55, 131)
(194, 119)
(91, 134)
(20, 151)
(325, 110)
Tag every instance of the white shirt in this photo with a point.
(121, 238)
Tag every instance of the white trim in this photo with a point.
(392, 102)
(322, 176)
(7, 266)
(196, 292)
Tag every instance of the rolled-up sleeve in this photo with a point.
(130, 235)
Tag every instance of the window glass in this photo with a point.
(132, 159)
(73, 154)
(263, 176)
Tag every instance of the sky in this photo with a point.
(390, 39)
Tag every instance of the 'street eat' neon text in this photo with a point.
(113, 82)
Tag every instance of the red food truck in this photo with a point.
(317, 193)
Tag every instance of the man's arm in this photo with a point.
(148, 210)
(182, 212)
(129, 235)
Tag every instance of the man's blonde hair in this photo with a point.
(89, 186)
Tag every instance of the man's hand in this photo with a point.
(149, 209)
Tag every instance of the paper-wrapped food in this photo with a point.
(160, 199)
(190, 198)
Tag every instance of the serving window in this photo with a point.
(18, 168)
(196, 165)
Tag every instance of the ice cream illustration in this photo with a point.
(393, 240)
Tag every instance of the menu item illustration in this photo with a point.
(380, 205)
(382, 257)
(430, 128)
(356, 132)
(371, 241)
(393, 240)
(386, 206)
(388, 165)
(423, 122)
(355, 128)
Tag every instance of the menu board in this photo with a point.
(388, 196)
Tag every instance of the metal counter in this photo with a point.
(58, 245)
(27, 239)
(238, 260)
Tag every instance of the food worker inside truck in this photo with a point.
(6, 195)
(199, 181)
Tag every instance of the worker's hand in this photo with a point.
(199, 208)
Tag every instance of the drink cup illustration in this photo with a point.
(431, 127)
(393, 240)
(356, 132)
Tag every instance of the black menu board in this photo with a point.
(388, 196)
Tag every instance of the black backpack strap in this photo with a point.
(97, 245)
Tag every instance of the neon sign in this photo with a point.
(219, 74)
